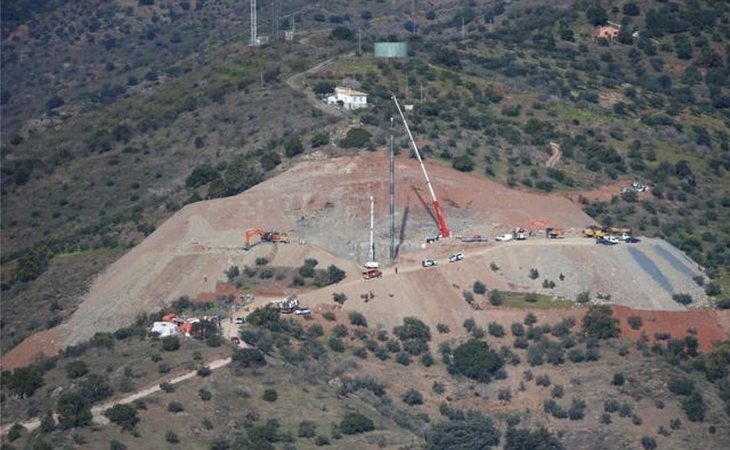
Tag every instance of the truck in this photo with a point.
(554, 233)
(371, 273)
(520, 234)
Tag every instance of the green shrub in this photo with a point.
(463, 163)
(204, 394)
(172, 437)
(76, 369)
(356, 138)
(342, 33)
(474, 359)
(618, 379)
(15, 432)
(336, 344)
(682, 299)
(358, 319)
(680, 386)
(175, 407)
(270, 395)
(307, 429)
(526, 439)
(340, 297)
(635, 322)
(23, 381)
(694, 406)
(356, 423)
(475, 431)
(479, 288)
(248, 357)
(412, 397)
(495, 329)
(600, 323)
(123, 415)
(648, 442)
(73, 411)
(170, 343)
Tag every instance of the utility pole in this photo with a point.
(421, 92)
(274, 20)
(405, 73)
(359, 41)
(392, 194)
(463, 28)
(253, 23)
(413, 16)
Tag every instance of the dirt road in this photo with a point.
(98, 410)
(296, 82)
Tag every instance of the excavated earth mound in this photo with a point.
(323, 204)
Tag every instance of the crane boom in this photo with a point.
(438, 212)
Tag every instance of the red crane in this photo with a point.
(438, 212)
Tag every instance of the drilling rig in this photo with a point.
(437, 211)
(371, 266)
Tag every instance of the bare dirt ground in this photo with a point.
(324, 206)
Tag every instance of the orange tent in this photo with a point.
(169, 317)
(185, 328)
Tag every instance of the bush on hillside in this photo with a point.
(474, 359)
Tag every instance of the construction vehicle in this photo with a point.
(263, 236)
(619, 230)
(554, 233)
(437, 211)
(371, 273)
(593, 231)
(520, 234)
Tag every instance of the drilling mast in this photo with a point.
(372, 262)
(438, 212)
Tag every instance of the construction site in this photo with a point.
(377, 217)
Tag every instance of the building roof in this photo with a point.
(349, 91)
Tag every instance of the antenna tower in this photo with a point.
(254, 33)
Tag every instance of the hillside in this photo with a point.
(140, 139)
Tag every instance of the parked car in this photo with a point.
(607, 240)
(632, 240)
(432, 239)
(504, 237)
(235, 339)
(239, 321)
(303, 312)
(428, 263)
(456, 257)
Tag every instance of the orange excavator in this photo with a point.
(263, 236)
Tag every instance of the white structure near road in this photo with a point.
(348, 98)
(164, 328)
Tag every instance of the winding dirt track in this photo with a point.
(97, 411)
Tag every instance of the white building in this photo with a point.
(348, 98)
(164, 328)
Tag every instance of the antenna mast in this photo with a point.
(438, 212)
(254, 34)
